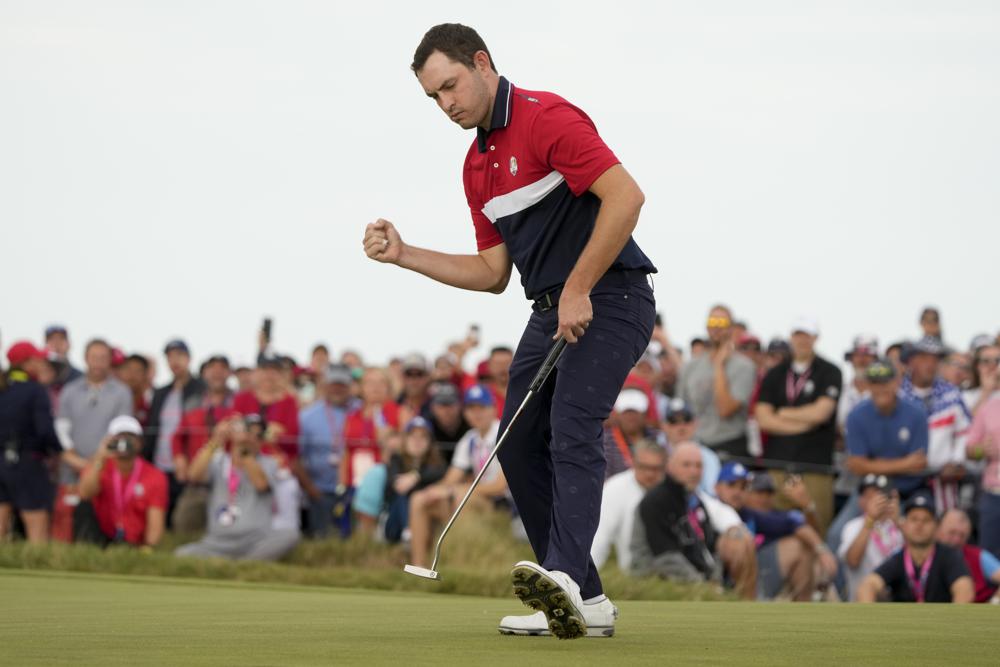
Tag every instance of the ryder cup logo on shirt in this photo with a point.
(139, 490)
(832, 392)
(513, 166)
(810, 387)
(904, 434)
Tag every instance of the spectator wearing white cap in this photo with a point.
(717, 387)
(863, 353)
(129, 495)
(797, 410)
(866, 541)
(627, 426)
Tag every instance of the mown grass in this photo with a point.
(476, 560)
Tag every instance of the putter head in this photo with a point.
(421, 572)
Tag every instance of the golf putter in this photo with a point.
(540, 377)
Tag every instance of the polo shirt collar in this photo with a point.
(501, 112)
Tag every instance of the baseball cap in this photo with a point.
(748, 340)
(880, 372)
(124, 424)
(477, 394)
(443, 393)
(778, 345)
(871, 480)
(53, 329)
(216, 359)
(921, 501)
(419, 422)
(176, 345)
(805, 324)
(338, 374)
(415, 362)
(926, 345)
(982, 340)
(677, 408)
(733, 471)
(761, 481)
(269, 361)
(863, 344)
(21, 351)
(632, 399)
(118, 357)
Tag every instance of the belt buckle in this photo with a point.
(545, 303)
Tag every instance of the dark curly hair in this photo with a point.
(459, 42)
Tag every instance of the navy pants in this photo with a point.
(553, 458)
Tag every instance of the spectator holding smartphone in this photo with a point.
(868, 540)
(129, 495)
(416, 467)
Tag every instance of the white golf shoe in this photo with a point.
(600, 618)
(553, 594)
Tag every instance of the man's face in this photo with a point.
(446, 413)
(178, 362)
(480, 417)
(884, 395)
(58, 343)
(244, 378)
(133, 374)
(649, 468)
(957, 368)
(761, 501)
(631, 422)
(415, 381)
(802, 344)
(215, 375)
(320, 360)
(499, 366)
(267, 378)
(685, 466)
(732, 493)
(719, 326)
(337, 393)
(931, 324)
(861, 360)
(98, 360)
(131, 451)
(923, 368)
(919, 526)
(374, 388)
(679, 428)
(954, 530)
(462, 93)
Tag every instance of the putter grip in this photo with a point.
(550, 362)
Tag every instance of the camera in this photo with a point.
(121, 447)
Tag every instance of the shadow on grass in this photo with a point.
(475, 560)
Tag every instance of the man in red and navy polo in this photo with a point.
(548, 196)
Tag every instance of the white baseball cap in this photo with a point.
(124, 424)
(805, 324)
(632, 399)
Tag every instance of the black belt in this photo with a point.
(550, 299)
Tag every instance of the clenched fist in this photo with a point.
(382, 242)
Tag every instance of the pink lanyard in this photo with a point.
(892, 534)
(232, 479)
(696, 524)
(919, 585)
(122, 496)
(794, 387)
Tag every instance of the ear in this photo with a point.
(482, 62)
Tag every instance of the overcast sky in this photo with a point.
(184, 168)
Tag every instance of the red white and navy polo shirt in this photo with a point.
(527, 180)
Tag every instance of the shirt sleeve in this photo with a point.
(847, 536)
(770, 389)
(461, 459)
(741, 381)
(954, 567)
(830, 384)
(159, 495)
(487, 234)
(857, 441)
(564, 138)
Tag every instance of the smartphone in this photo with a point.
(266, 329)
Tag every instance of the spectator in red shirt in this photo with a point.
(129, 495)
(271, 399)
(196, 427)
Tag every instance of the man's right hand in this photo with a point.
(877, 507)
(382, 242)
(916, 461)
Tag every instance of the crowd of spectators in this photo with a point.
(753, 466)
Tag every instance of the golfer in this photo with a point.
(548, 196)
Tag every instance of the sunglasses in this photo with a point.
(680, 419)
(719, 322)
(414, 374)
(880, 372)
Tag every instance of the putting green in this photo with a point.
(81, 619)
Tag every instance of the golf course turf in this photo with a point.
(55, 618)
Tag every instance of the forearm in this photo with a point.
(255, 474)
(869, 588)
(772, 423)
(198, 471)
(860, 465)
(725, 404)
(809, 537)
(73, 460)
(471, 272)
(857, 549)
(90, 481)
(810, 415)
(154, 526)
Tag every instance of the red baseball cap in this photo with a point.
(117, 357)
(21, 351)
